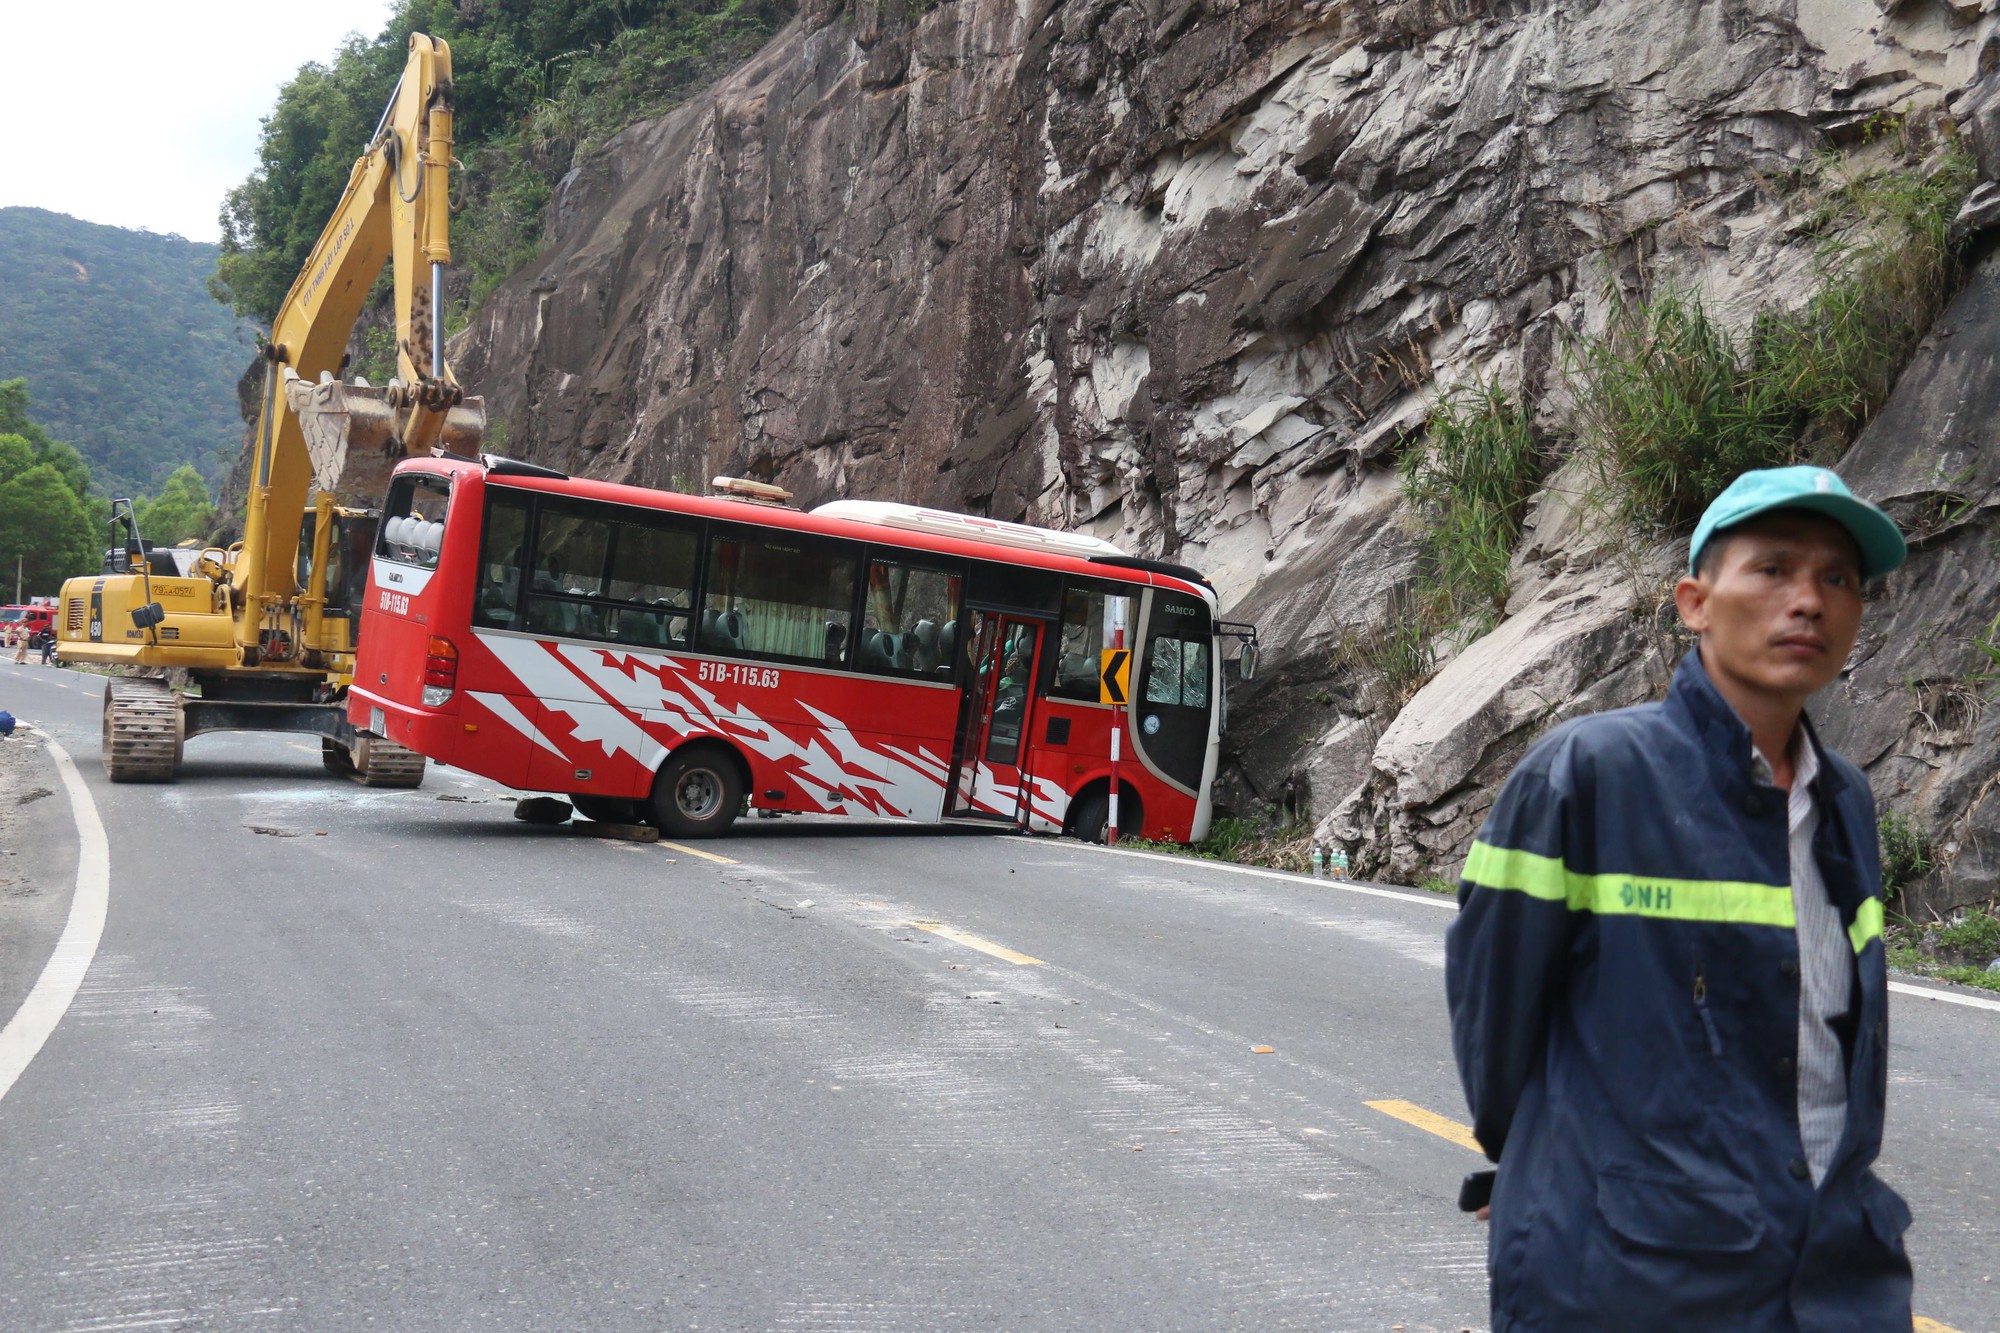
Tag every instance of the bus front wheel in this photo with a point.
(1092, 815)
(697, 794)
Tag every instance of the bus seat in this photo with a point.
(722, 629)
(924, 652)
(641, 630)
(1075, 670)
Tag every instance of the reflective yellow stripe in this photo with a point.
(1867, 924)
(1545, 877)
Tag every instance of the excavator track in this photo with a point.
(379, 763)
(142, 730)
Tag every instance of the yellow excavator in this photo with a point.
(265, 629)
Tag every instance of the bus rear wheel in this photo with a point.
(697, 794)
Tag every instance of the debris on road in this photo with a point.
(542, 810)
(270, 831)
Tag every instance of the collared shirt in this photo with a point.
(1826, 971)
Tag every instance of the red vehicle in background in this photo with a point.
(35, 617)
(675, 658)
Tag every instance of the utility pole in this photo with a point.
(17, 578)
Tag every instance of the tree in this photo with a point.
(181, 511)
(45, 526)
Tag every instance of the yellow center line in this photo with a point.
(1412, 1114)
(957, 936)
(696, 851)
(1923, 1325)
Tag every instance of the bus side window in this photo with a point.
(652, 574)
(1092, 621)
(503, 550)
(778, 596)
(909, 621)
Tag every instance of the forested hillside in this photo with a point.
(126, 354)
(533, 81)
(48, 516)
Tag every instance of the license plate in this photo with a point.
(378, 723)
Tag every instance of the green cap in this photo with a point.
(1814, 488)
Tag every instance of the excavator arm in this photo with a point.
(266, 629)
(321, 442)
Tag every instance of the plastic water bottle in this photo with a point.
(1318, 862)
(1340, 863)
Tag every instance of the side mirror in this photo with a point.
(149, 615)
(1246, 661)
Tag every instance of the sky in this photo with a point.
(143, 113)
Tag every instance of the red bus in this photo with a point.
(675, 658)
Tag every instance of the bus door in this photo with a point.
(990, 760)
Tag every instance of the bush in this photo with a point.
(1472, 483)
(1400, 649)
(1907, 850)
(1673, 412)
(1675, 408)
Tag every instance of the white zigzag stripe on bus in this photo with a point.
(651, 692)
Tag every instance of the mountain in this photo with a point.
(126, 354)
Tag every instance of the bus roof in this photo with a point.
(881, 523)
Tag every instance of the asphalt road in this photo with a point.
(351, 1059)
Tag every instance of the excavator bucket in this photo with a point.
(352, 432)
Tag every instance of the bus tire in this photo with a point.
(697, 793)
(606, 809)
(1092, 813)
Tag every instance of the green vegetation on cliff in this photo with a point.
(1676, 407)
(534, 81)
(127, 355)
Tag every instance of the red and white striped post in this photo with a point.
(1111, 826)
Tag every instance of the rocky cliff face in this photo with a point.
(1191, 273)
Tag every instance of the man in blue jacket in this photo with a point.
(1667, 983)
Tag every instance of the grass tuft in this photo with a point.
(1472, 484)
(1908, 851)
(1676, 407)
(1961, 949)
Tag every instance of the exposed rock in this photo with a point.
(1915, 707)
(1189, 276)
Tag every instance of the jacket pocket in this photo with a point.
(1888, 1215)
(1678, 1217)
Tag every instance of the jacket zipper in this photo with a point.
(1707, 1018)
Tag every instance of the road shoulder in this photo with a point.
(38, 854)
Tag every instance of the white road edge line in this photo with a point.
(38, 1015)
(1449, 904)
(1949, 997)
